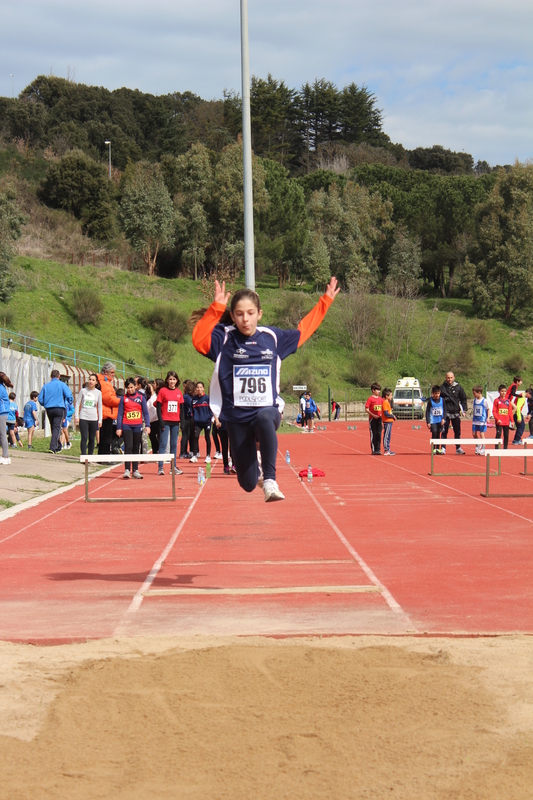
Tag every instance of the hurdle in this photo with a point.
(506, 454)
(121, 459)
(435, 443)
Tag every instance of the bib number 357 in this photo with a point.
(252, 386)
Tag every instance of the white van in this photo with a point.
(406, 395)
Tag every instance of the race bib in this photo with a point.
(252, 386)
(478, 413)
(172, 406)
(503, 412)
(133, 416)
(437, 412)
(88, 402)
(376, 409)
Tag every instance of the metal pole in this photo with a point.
(249, 262)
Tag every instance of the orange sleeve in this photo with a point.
(311, 321)
(201, 335)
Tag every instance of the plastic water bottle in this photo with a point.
(287, 457)
(201, 478)
(309, 474)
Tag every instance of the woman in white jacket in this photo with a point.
(88, 413)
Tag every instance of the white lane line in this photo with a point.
(316, 562)
(391, 602)
(265, 590)
(60, 491)
(138, 597)
(434, 482)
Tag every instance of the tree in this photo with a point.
(80, 185)
(11, 221)
(146, 212)
(274, 120)
(189, 179)
(354, 224)
(404, 264)
(283, 225)
(501, 270)
(318, 260)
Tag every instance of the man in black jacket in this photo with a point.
(456, 407)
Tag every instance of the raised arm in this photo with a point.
(201, 335)
(311, 321)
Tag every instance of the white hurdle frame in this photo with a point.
(444, 442)
(121, 459)
(507, 454)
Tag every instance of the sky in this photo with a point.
(457, 73)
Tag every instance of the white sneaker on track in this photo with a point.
(272, 491)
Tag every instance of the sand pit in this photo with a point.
(365, 717)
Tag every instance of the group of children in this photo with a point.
(510, 410)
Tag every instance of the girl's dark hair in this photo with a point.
(248, 294)
(12, 396)
(159, 383)
(172, 374)
(129, 382)
(148, 391)
(97, 385)
(5, 380)
(143, 383)
(189, 387)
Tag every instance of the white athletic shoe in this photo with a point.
(218, 455)
(194, 460)
(160, 471)
(272, 491)
(126, 475)
(477, 449)
(137, 475)
(208, 459)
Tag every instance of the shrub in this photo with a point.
(166, 320)
(7, 317)
(293, 309)
(366, 369)
(162, 351)
(481, 332)
(515, 363)
(88, 305)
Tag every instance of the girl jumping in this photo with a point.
(245, 383)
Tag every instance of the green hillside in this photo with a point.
(423, 338)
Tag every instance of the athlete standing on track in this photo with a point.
(202, 422)
(88, 413)
(168, 404)
(245, 384)
(132, 411)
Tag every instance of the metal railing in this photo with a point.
(68, 355)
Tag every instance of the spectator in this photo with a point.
(54, 397)
(110, 403)
(12, 422)
(456, 407)
(187, 423)
(310, 411)
(31, 419)
(302, 410)
(521, 417)
(155, 428)
(89, 413)
(335, 410)
(5, 384)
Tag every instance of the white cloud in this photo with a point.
(459, 73)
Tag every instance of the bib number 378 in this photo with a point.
(252, 386)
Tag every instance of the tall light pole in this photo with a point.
(109, 145)
(12, 85)
(249, 258)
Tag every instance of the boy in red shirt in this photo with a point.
(374, 407)
(502, 410)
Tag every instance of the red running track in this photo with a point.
(377, 546)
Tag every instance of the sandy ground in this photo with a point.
(351, 717)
